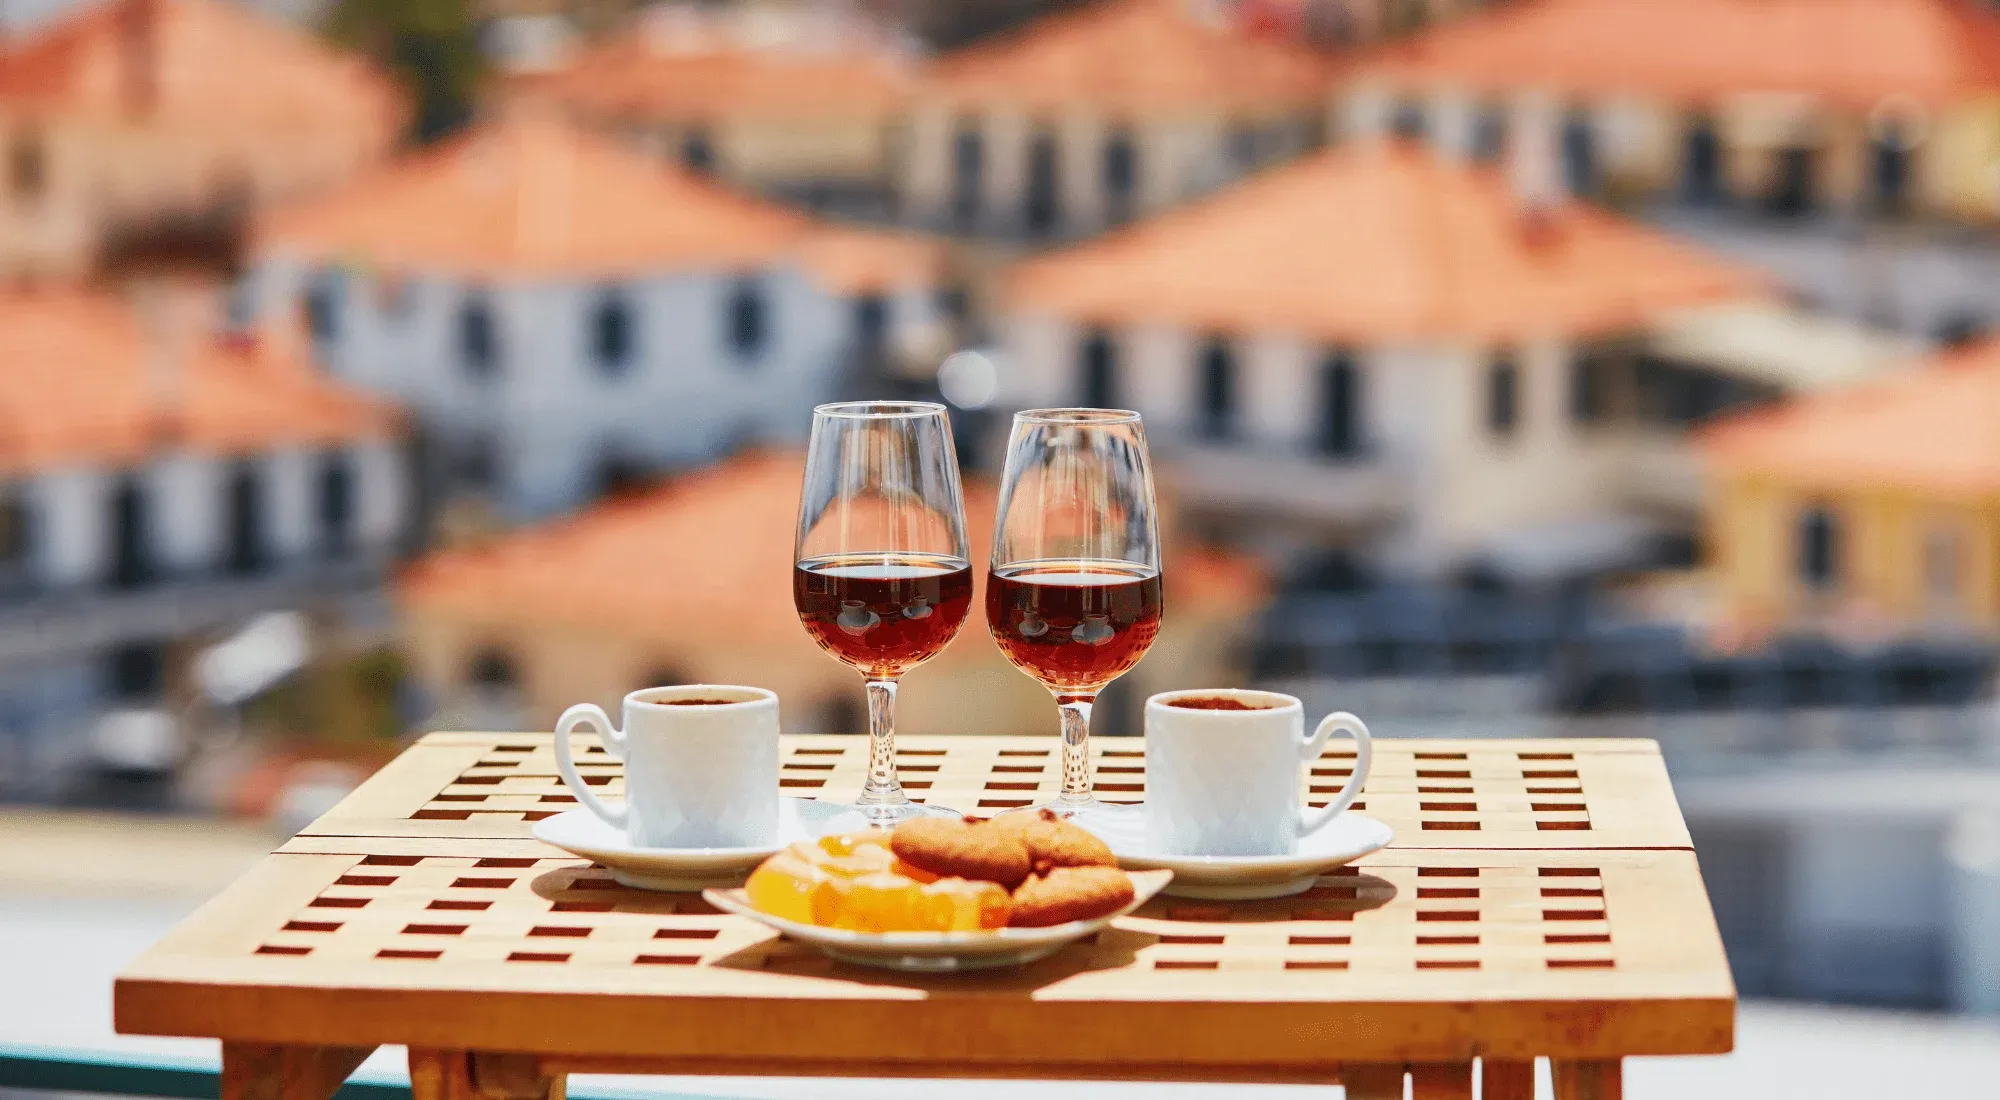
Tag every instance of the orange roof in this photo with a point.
(1931, 428)
(714, 547)
(529, 196)
(1372, 245)
(213, 64)
(1138, 56)
(1852, 52)
(78, 387)
(852, 260)
(642, 77)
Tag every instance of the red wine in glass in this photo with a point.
(1074, 625)
(882, 613)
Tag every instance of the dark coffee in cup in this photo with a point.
(695, 702)
(1213, 702)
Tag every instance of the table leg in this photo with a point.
(264, 1071)
(1441, 1081)
(1507, 1080)
(465, 1075)
(1372, 1081)
(1589, 1080)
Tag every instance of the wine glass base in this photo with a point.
(1092, 814)
(883, 815)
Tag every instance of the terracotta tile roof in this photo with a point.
(1138, 56)
(78, 386)
(715, 547)
(1372, 245)
(1933, 428)
(1851, 52)
(527, 196)
(212, 64)
(851, 260)
(639, 77)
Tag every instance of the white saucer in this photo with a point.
(940, 952)
(680, 869)
(1346, 838)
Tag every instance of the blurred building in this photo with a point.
(1349, 22)
(1869, 508)
(800, 108)
(692, 584)
(152, 126)
(1085, 119)
(1379, 350)
(567, 316)
(161, 487)
(1837, 144)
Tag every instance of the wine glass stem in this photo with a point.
(1076, 786)
(882, 788)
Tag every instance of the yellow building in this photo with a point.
(1873, 509)
(130, 120)
(692, 584)
(784, 107)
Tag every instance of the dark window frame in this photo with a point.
(1218, 395)
(1503, 396)
(478, 337)
(1818, 535)
(614, 336)
(1342, 421)
(1041, 195)
(968, 173)
(1097, 370)
(28, 165)
(335, 500)
(747, 319)
(1121, 174)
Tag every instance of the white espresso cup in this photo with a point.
(1227, 783)
(701, 766)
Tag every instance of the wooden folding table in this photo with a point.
(1541, 899)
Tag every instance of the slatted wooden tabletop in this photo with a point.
(1541, 899)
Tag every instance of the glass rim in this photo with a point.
(878, 410)
(1077, 416)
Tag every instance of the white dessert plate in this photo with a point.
(680, 869)
(1346, 838)
(941, 952)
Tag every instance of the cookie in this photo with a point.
(950, 848)
(1070, 893)
(1053, 842)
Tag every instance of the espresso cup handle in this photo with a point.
(589, 714)
(1309, 751)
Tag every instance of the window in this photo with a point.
(493, 670)
(1121, 176)
(619, 474)
(611, 342)
(131, 535)
(1579, 154)
(1040, 211)
(1489, 133)
(1944, 567)
(749, 325)
(697, 153)
(1340, 406)
(1218, 390)
(16, 528)
(1407, 120)
(1889, 169)
(136, 672)
(27, 166)
(324, 294)
(243, 517)
(968, 156)
(1100, 371)
(336, 504)
(478, 346)
(1819, 548)
(871, 326)
(1503, 398)
(1792, 182)
(1701, 162)
(1589, 383)
(1245, 147)
(478, 462)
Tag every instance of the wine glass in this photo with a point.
(1074, 595)
(882, 580)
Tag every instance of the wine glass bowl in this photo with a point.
(881, 576)
(1074, 595)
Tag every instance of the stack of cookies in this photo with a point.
(1022, 870)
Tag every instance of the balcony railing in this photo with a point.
(1290, 481)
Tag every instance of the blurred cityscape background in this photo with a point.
(1593, 368)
